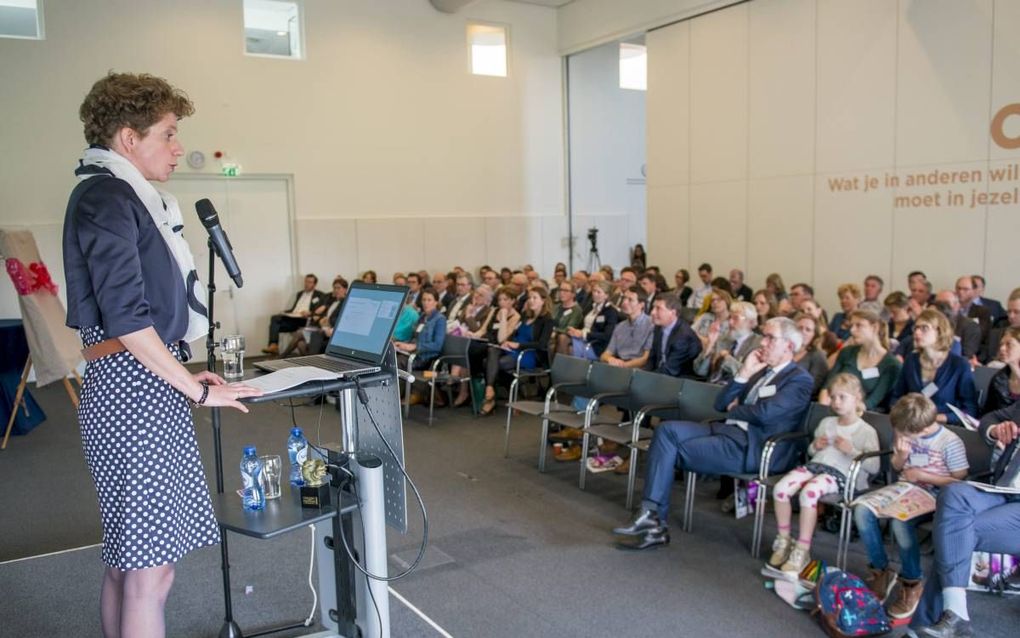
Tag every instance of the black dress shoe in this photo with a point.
(653, 538)
(646, 521)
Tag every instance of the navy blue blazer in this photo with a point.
(782, 412)
(954, 380)
(682, 348)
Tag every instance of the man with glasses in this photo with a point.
(461, 300)
(769, 396)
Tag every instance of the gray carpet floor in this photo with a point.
(512, 551)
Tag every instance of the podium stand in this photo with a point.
(351, 605)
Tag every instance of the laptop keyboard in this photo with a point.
(317, 361)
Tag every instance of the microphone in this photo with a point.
(219, 240)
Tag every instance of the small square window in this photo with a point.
(272, 28)
(21, 19)
(487, 45)
(633, 66)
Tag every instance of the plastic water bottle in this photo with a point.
(297, 450)
(253, 498)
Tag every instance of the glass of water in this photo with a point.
(232, 351)
(272, 467)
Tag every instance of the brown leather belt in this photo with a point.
(103, 349)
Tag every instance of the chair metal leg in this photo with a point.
(432, 399)
(511, 398)
(760, 500)
(631, 477)
(690, 478)
(584, 459)
(543, 445)
(843, 548)
(407, 399)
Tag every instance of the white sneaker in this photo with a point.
(780, 551)
(798, 560)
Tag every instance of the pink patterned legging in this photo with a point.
(812, 487)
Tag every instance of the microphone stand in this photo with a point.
(210, 348)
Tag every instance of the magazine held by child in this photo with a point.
(901, 500)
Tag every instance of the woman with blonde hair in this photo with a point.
(935, 372)
(850, 297)
(868, 359)
(774, 284)
(766, 304)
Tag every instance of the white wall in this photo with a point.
(752, 110)
(387, 135)
(607, 152)
(584, 24)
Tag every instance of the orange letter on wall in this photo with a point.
(998, 134)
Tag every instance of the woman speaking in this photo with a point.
(133, 294)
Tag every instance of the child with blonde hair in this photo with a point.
(838, 441)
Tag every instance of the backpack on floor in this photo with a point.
(846, 607)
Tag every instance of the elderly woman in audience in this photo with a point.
(901, 325)
(810, 356)
(850, 297)
(935, 372)
(528, 347)
(369, 277)
(774, 284)
(766, 305)
(474, 321)
(867, 358)
(715, 320)
(399, 279)
(590, 340)
(722, 359)
(1004, 388)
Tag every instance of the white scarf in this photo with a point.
(166, 214)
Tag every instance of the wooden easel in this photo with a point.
(19, 396)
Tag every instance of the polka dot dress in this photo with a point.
(139, 443)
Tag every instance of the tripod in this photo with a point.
(594, 261)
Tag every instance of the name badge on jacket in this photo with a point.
(767, 391)
(869, 373)
(600, 319)
(419, 328)
(930, 390)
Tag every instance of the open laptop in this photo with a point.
(362, 333)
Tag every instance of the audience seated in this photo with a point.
(490, 278)
(722, 359)
(682, 291)
(920, 294)
(648, 284)
(799, 293)
(631, 342)
(529, 343)
(674, 344)
(934, 371)
(769, 395)
(473, 319)
(774, 284)
(810, 355)
(313, 340)
(406, 322)
(369, 277)
(429, 333)
(901, 324)
(590, 340)
(295, 317)
(462, 292)
(994, 307)
(704, 289)
(968, 519)
(444, 290)
(931, 456)
(715, 320)
(967, 332)
(970, 306)
(873, 286)
(849, 299)
(628, 278)
(837, 441)
(739, 290)
(1004, 388)
(567, 314)
(1012, 320)
(867, 358)
(766, 305)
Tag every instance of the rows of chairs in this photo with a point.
(645, 394)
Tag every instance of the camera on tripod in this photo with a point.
(593, 237)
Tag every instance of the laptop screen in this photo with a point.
(366, 321)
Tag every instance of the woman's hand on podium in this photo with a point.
(223, 394)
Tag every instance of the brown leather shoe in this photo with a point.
(271, 349)
(572, 453)
(609, 447)
(880, 581)
(622, 468)
(907, 599)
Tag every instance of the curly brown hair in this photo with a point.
(136, 101)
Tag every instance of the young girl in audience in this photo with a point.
(838, 440)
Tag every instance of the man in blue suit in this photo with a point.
(674, 344)
(967, 520)
(769, 395)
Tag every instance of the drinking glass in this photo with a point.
(232, 351)
(272, 468)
